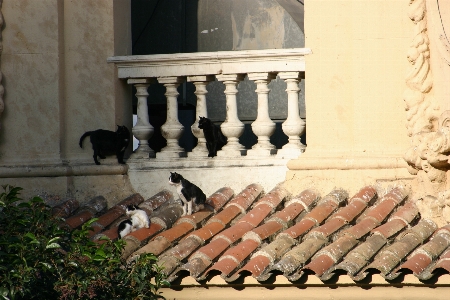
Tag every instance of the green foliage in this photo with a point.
(40, 259)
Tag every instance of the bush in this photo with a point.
(40, 259)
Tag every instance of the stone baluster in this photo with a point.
(294, 126)
(172, 129)
(232, 128)
(200, 83)
(143, 130)
(263, 127)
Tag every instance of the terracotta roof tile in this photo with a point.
(200, 260)
(266, 256)
(254, 234)
(392, 255)
(358, 258)
(292, 262)
(422, 257)
(113, 213)
(173, 257)
(233, 257)
(87, 212)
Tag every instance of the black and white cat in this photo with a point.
(139, 218)
(191, 195)
(105, 142)
(215, 140)
(124, 228)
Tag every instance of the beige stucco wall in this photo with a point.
(57, 86)
(355, 81)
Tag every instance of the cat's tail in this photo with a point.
(87, 133)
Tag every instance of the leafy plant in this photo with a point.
(40, 258)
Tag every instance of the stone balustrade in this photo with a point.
(230, 68)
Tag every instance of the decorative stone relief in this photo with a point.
(428, 126)
(2, 89)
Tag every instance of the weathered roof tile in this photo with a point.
(242, 236)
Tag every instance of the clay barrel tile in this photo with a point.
(242, 250)
(219, 198)
(356, 204)
(171, 259)
(135, 199)
(110, 233)
(212, 250)
(225, 216)
(235, 232)
(285, 240)
(175, 232)
(79, 219)
(167, 215)
(222, 241)
(134, 239)
(359, 257)
(256, 215)
(443, 262)
(297, 257)
(256, 266)
(246, 197)
(165, 239)
(390, 257)
(87, 212)
(397, 222)
(156, 246)
(320, 265)
(316, 216)
(156, 201)
(104, 220)
(288, 213)
(264, 258)
(207, 231)
(65, 209)
(266, 230)
(426, 254)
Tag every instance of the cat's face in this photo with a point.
(122, 130)
(131, 207)
(202, 122)
(175, 178)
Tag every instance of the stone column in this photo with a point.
(263, 127)
(232, 128)
(143, 130)
(294, 126)
(172, 129)
(200, 83)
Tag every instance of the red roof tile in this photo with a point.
(237, 238)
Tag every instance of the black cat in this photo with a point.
(105, 142)
(189, 193)
(215, 140)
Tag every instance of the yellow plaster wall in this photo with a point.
(58, 85)
(355, 79)
(356, 76)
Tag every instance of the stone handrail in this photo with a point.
(229, 67)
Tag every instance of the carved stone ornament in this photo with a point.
(427, 125)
